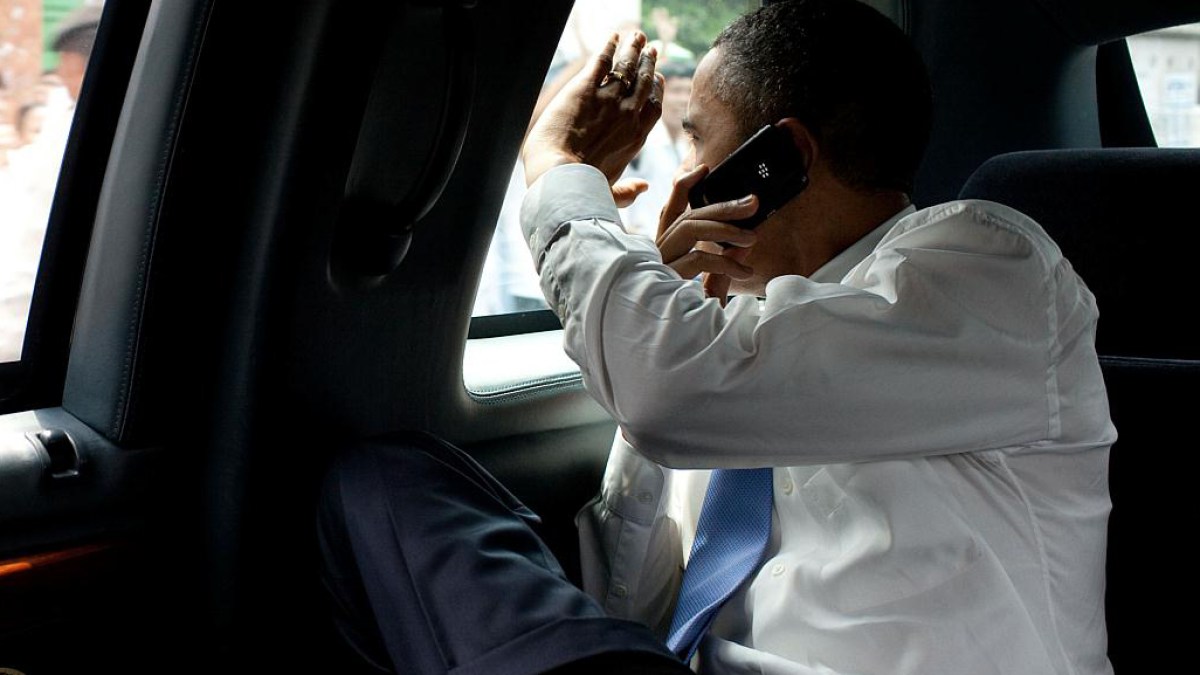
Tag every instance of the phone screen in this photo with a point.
(768, 165)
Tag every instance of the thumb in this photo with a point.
(717, 286)
(626, 190)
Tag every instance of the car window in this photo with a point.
(45, 46)
(1167, 64)
(682, 32)
(511, 351)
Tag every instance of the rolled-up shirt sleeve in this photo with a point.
(631, 555)
(914, 353)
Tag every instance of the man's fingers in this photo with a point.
(586, 123)
(717, 286)
(678, 201)
(737, 254)
(684, 236)
(736, 209)
(658, 90)
(627, 58)
(643, 85)
(603, 61)
(626, 190)
(652, 110)
(708, 223)
(702, 262)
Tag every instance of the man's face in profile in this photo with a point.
(715, 134)
(711, 124)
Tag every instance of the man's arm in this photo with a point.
(917, 354)
(945, 340)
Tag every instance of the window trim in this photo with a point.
(37, 380)
(508, 368)
(516, 323)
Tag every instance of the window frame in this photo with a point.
(534, 321)
(37, 380)
(514, 323)
(1185, 34)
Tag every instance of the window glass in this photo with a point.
(44, 49)
(682, 30)
(1167, 63)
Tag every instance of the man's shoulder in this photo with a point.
(972, 212)
(974, 226)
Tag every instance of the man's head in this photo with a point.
(74, 41)
(844, 71)
(852, 91)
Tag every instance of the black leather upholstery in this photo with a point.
(108, 381)
(1125, 220)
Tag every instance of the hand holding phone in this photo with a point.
(686, 237)
(768, 165)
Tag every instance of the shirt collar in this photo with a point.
(840, 265)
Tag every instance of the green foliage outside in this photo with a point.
(54, 11)
(697, 22)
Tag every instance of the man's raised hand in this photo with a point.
(602, 116)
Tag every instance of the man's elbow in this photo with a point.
(655, 446)
(670, 438)
(671, 415)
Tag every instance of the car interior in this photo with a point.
(265, 245)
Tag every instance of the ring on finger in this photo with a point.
(618, 76)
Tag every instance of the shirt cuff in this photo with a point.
(563, 194)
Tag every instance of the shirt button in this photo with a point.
(620, 590)
(776, 570)
(788, 486)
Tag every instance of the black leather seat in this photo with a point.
(1127, 220)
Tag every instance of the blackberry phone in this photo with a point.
(768, 165)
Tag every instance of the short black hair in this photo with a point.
(844, 70)
(77, 31)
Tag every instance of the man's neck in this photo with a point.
(814, 228)
(828, 225)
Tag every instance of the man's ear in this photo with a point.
(805, 142)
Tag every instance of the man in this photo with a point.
(923, 384)
(903, 409)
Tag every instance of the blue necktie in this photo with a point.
(731, 537)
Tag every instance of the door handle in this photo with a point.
(59, 451)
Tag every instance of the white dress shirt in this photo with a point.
(933, 407)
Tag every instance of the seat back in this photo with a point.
(1125, 220)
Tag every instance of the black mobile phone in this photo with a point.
(768, 165)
